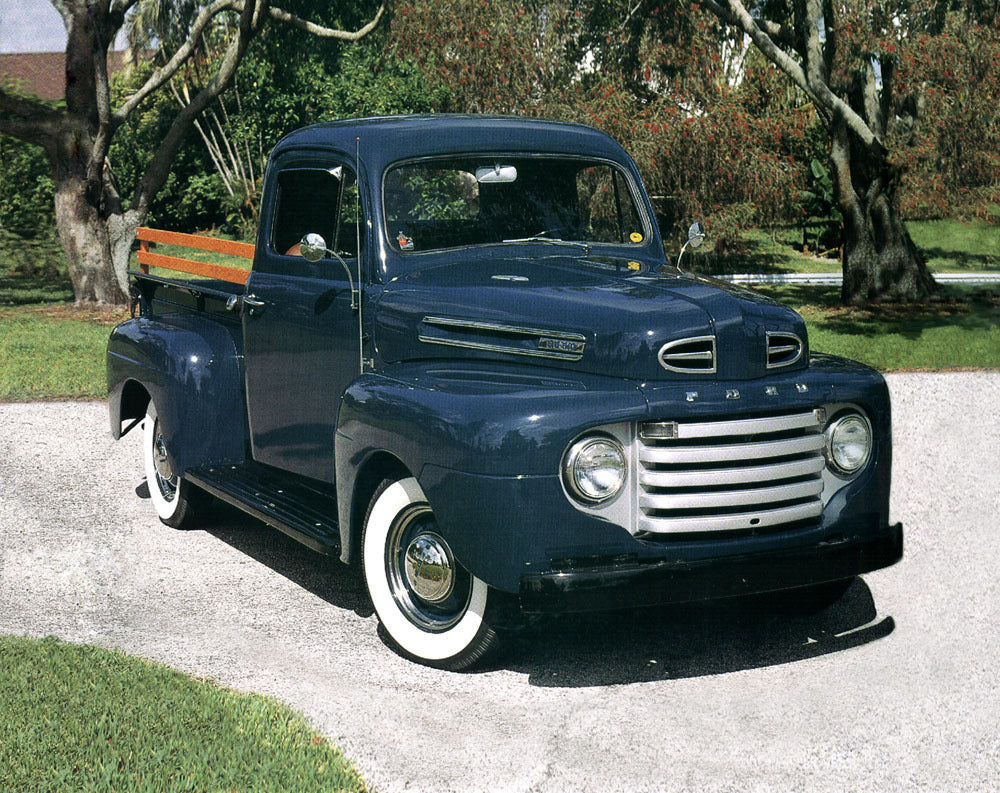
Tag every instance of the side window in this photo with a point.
(316, 201)
(606, 205)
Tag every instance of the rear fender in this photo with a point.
(189, 366)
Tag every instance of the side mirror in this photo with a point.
(695, 235)
(695, 238)
(313, 247)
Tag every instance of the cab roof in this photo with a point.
(385, 139)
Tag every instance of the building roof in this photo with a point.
(43, 74)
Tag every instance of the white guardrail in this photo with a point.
(835, 279)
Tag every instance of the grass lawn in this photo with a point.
(54, 351)
(80, 718)
(950, 246)
(960, 330)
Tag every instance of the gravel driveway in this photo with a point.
(894, 689)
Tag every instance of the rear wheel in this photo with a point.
(174, 498)
(433, 609)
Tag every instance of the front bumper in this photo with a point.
(608, 586)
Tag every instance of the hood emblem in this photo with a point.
(561, 345)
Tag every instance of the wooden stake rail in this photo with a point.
(220, 272)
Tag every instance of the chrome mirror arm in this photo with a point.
(313, 246)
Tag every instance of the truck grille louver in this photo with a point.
(783, 349)
(689, 356)
(742, 474)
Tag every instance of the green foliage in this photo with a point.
(192, 197)
(26, 203)
(79, 718)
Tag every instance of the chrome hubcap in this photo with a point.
(429, 567)
(165, 479)
(429, 586)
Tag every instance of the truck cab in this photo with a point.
(463, 361)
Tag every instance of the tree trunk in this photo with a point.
(880, 260)
(83, 231)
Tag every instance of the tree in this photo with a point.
(842, 54)
(96, 226)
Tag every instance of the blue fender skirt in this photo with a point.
(603, 586)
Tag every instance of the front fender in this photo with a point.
(190, 367)
(489, 420)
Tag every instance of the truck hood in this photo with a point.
(595, 314)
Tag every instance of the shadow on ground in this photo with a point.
(689, 640)
(609, 648)
(323, 576)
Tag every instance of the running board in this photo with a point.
(304, 511)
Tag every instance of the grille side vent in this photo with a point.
(689, 356)
(783, 349)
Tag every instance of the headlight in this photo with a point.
(848, 443)
(594, 469)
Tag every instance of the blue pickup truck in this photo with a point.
(463, 361)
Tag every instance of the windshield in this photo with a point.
(486, 199)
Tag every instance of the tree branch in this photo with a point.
(816, 88)
(64, 11)
(159, 167)
(123, 6)
(324, 32)
(185, 51)
(774, 31)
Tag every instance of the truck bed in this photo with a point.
(159, 295)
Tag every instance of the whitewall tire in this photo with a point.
(172, 496)
(433, 610)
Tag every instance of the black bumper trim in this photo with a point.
(640, 584)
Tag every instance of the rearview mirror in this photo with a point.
(496, 173)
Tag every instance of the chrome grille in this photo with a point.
(730, 475)
(783, 349)
(689, 356)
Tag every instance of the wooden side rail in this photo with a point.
(220, 272)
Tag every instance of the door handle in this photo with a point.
(256, 305)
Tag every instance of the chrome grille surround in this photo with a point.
(695, 355)
(783, 349)
(731, 475)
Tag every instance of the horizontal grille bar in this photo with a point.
(713, 429)
(732, 498)
(739, 451)
(732, 476)
(730, 522)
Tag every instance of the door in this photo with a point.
(301, 332)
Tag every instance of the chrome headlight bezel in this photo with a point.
(840, 423)
(577, 454)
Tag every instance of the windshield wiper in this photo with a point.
(553, 241)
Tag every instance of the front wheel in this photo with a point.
(432, 608)
(173, 497)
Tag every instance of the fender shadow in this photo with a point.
(687, 640)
